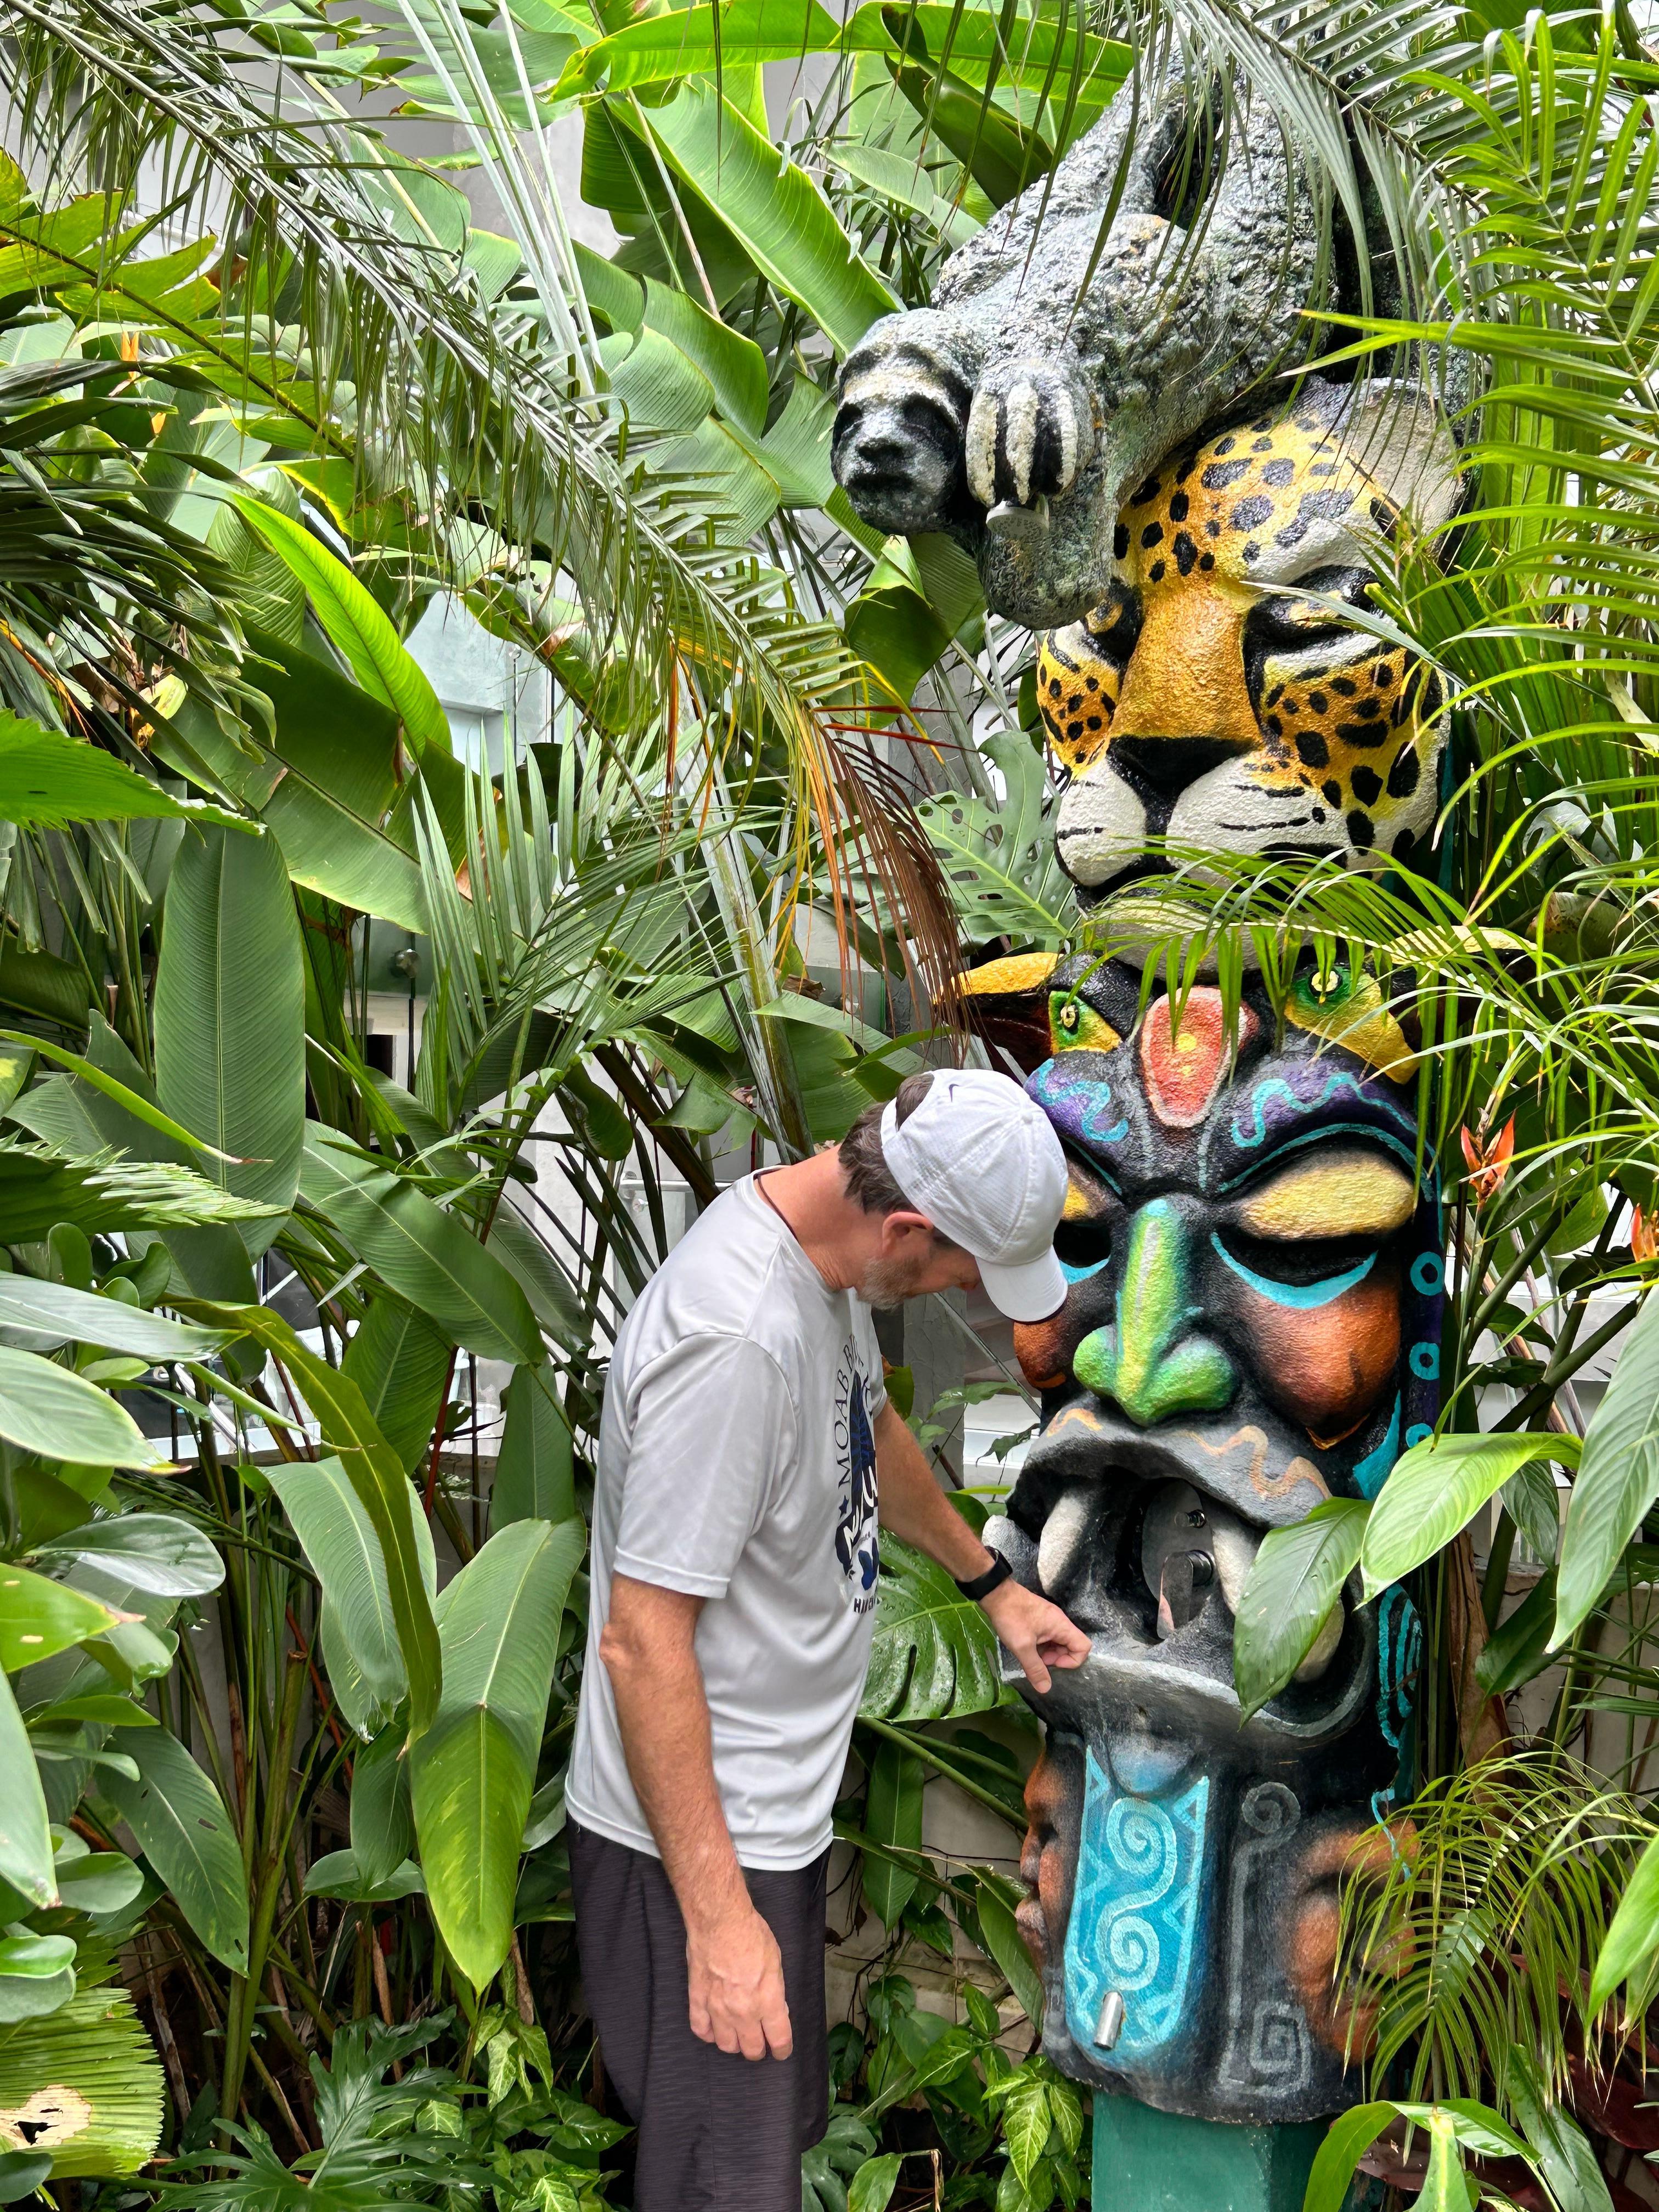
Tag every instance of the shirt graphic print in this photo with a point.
(855, 1455)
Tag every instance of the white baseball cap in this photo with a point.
(982, 1161)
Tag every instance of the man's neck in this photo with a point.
(811, 1201)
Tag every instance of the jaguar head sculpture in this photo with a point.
(1252, 1328)
(1224, 692)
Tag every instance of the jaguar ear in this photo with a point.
(1396, 432)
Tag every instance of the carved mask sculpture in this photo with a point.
(1253, 1323)
(1252, 1328)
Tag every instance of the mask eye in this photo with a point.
(1315, 1229)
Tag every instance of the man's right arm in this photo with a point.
(735, 1970)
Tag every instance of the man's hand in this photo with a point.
(1039, 1634)
(733, 1962)
(736, 1972)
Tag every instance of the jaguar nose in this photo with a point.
(1167, 765)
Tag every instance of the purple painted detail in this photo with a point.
(1285, 1099)
(1079, 1105)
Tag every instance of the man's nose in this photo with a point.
(1154, 1363)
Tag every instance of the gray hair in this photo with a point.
(869, 1178)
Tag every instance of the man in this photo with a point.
(746, 1447)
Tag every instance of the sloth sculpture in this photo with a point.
(1194, 532)
(1030, 393)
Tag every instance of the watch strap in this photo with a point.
(980, 1586)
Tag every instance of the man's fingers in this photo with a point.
(774, 2019)
(751, 2038)
(701, 2026)
(1035, 1673)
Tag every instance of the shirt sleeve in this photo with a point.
(713, 1427)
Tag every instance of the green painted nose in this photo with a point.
(1151, 1364)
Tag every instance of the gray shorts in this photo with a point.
(717, 2132)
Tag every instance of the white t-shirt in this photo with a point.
(737, 1462)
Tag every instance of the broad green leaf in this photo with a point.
(1570, 2169)
(185, 1831)
(26, 1860)
(57, 1314)
(230, 1061)
(22, 2173)
(382, 1823)
(340, 1875)
(472, 1773)
(1443, 2188)
(425, 1254)
(690, 41)
(1002, 155)
(934, 1653)
(1007, 1946)
(382, 1487)
(1632, 1938)
(894, 631)
(400, 1361)
(120, 1094)
(534, 1475)
(48, 1409)
(353, 621)
(1618, 1477)
(99, 1881)
(776, 211)
(338, 1537)
(325, 786)
(1518, 1648)
(734, 366)
(1436, 1490)
(661, 389)
(1533, 1504)
(892, 1815)
(1295, 1579)
(158, 1552)
(873, 2186)
(1025, 2104)
(1350, 2135)
(48, 779)
(37, 1975)
(38, 1617)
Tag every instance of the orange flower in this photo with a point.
(1644, 1235)
(1488, 1160)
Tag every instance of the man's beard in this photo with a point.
(888, 1283)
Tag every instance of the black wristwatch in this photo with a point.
(980, 1586)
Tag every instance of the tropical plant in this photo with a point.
(265, 1299)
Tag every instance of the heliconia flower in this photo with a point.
(1488, 1160)
(1644, 1235)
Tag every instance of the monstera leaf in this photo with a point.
(935, 1656)
(1000, 859)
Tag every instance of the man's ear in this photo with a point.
(900, 1229)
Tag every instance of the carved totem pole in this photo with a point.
(1253, 1322)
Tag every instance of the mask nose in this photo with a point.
(1153, 1364)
